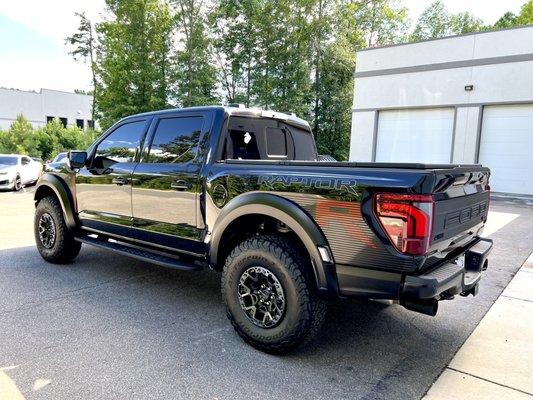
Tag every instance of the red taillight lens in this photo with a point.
(407, 220)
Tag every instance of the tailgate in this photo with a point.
(461, 207)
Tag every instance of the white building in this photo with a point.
(462, 99)
(40, 107)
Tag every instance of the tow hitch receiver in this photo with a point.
(473, 291)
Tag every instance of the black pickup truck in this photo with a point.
(242, 191)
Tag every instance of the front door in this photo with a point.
(166, 184)
(103, 188)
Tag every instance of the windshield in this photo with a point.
(61, 157)
(8, 160)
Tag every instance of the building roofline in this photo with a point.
(64, 91)
(445, 37)
(41, 91)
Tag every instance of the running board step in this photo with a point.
(140, 254)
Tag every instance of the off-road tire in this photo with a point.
(304, 310)
(64, 249)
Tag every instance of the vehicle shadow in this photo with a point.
(369, 347)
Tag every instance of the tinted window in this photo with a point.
(175, 140)
(304, 144)
(25, 160)
(244, 145)
(276, 139)
(122, 143)
(264, 139)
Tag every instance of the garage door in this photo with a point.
(506, 147)
(415, 135)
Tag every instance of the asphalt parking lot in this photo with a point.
(112, 327)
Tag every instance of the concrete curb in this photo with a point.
(496, 360)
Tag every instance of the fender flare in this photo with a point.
(291, 215)
(60, 189)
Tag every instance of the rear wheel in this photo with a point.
(270, 296)
(55, 242)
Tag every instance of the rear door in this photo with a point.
(166, 183)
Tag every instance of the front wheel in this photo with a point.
(17, 183)
(270, 295)
(55, 242)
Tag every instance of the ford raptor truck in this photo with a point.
(244, 192)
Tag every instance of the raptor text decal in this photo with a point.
(344, 184)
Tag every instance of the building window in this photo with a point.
(90, 123)
(79, 123)
(63, 122)
(49, 119)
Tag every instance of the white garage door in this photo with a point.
(415, 135)
(507, 147)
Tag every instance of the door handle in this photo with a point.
(119, 181)
(181, 185)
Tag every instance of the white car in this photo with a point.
(17, 171)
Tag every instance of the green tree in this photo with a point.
(289, 55)
(196, 76)
(133, 59)
(18, 138)
(352, 26)
(83, 47)
(435, 22)
(465, 22)
(333, 122)
(45, 141)
(507, 20)
(382, 21)
(233, 23)
(282, 75)
(525, 17)
(320, 24)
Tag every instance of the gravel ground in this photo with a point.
(112, 327)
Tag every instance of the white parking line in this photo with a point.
(8, 388)
(497, 220)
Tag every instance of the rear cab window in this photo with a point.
(267, 139)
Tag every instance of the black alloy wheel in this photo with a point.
(47, 230)
(261, 297)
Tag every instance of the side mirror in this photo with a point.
(77, 158)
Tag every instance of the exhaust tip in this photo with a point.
(427, 307)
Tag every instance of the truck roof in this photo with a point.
(238, 110)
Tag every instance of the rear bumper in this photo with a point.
(419, 292)
(449, 279)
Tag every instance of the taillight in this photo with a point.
(407, 219)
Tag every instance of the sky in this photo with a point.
(33, 54)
